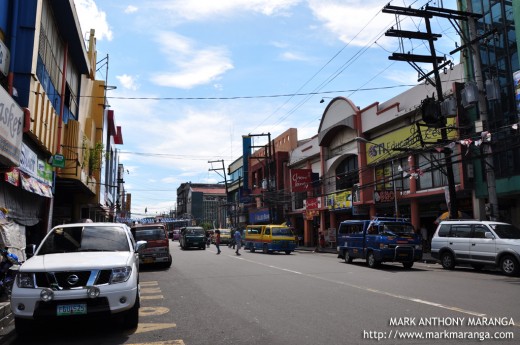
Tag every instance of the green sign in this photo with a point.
(58, 161)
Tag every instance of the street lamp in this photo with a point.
(363, 140)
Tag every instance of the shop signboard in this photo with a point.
(5, 58)
(341, 200)
(405, 138)
(301, 180)
(516, 79)
(11, 129)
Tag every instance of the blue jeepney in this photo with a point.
(379, 240)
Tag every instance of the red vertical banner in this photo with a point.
(301, 180)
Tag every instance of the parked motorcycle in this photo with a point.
(8, 270)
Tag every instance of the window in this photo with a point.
(50, 64)
(479, 231)
(433, 167)
(386, 177)
(444, 230)
(347, 173)
(351, 228)
(460, 231)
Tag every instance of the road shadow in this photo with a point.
(75, 331)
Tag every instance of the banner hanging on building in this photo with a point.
(301, 180)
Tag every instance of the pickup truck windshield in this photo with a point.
(84, 239)
(282, 232)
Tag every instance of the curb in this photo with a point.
(426, 259)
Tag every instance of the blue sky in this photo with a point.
(193, 76)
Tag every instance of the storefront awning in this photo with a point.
(34, 186)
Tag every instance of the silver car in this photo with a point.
(478, 243)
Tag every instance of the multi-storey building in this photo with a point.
(203, 203)
(493, 64)
(54, 138)
(269, 180)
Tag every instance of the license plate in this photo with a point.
(71, 309)
(148, 260)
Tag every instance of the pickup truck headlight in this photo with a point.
(25, 280)
(120, 274)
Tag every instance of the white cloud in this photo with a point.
(131, 9)
(290, 56)
(128, 82)
(407, 76)
(196, 10)
(91, 17)
(352, 21)
(192, 66)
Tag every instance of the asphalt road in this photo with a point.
(307, 298)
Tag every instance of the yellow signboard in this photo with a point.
(340, 200)
(406, 138)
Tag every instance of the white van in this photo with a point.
(478, 243)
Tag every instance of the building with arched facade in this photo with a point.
(383, 160)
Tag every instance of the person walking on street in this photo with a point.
(217, 240)
(238, 241)
(425, 239)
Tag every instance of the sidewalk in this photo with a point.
(6, 323)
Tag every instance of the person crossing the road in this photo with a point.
(217, 240)
(238, 241)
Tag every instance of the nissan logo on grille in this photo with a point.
(72, 279)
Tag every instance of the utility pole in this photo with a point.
(225, 184)
(437, 63)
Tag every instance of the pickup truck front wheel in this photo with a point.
(348, 258)
(371, 260)
(408, 264)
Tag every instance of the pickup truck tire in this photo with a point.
(131, 317)
(348, 258)
(371, 260)
(408, 265)
(23, 327)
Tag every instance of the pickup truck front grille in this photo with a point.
(66, 280)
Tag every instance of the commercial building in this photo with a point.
(58, 120)
(202, 204)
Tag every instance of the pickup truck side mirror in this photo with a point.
(140, 245)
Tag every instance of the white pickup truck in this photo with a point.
(79, 270)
